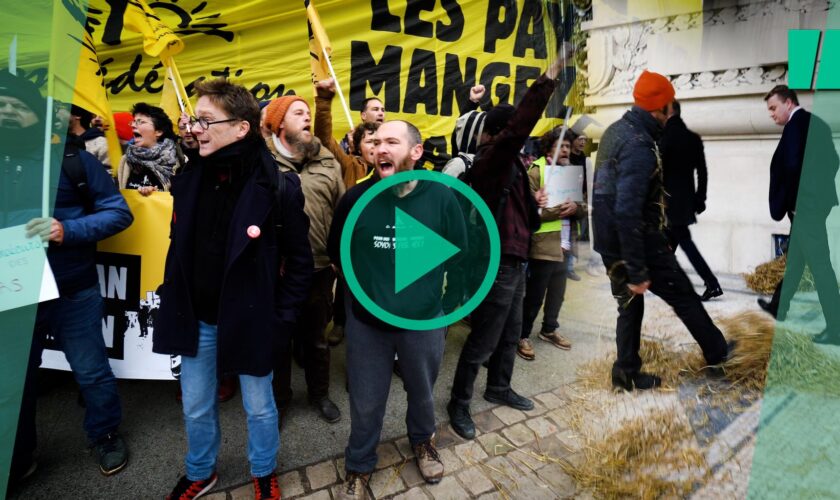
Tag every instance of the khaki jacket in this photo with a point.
(353, 168)
(98, 147)
(322, 186)
(546, 246)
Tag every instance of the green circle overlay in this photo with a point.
(410, 323)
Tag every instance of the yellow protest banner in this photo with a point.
(130, 267)
(420, 58)
(147, 236)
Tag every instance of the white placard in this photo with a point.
(25, 274)
(563, 183)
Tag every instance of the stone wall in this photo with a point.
(722, 57)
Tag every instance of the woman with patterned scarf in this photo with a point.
(151, 160)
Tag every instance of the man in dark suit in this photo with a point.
(809, 198)
(682, 154)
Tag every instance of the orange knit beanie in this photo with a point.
(276, 111)
(652, 91)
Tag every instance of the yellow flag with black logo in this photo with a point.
(159, 40)
(319, 44)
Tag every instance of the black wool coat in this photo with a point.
(266, 279)
(682, 156)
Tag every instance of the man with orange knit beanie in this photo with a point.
(629, 222)
(295, 149)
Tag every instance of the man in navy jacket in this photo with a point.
(808, 198)
(629, 221)
(81, 217)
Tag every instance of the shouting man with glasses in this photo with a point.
(238, 269)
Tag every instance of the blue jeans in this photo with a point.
(75, 321)
(201, 412)
(370, 364)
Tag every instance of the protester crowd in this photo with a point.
(253, 276)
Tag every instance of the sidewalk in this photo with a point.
(515, 455)
(526, 454)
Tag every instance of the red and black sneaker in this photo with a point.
(187, 489)
(266, 487)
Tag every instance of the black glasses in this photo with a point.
(205, 124)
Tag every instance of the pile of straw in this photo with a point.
(796, 362)
(649, 458)
(753, 333)
(747, 365)
(766, 276)
(657, 456)
(657, 357)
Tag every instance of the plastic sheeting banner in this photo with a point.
(419, 57)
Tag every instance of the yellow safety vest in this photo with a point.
(548, 226)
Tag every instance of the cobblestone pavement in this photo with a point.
(503, 461)
(499, 463)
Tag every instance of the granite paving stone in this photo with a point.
(388, 455)
(416, 493)
(487, 421)
(474, 480)
(508, 415)
(447, 489)
(519, 434)
(290, 484)
(542, 426)
(320, 475)
(470, 452)
(494, 444)
(386, 482)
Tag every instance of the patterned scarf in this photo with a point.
(160, 160)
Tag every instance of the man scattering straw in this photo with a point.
(629, 222)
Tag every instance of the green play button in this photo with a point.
(418, 250)
(421, 260)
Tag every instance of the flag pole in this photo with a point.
(562, 135)
(338, 87)
(48, 118)
(177, 78)
(174, 84)
(13, 56)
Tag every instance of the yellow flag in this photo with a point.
(89, 93)
(158, 39)
(318, 44)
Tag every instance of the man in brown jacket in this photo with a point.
(546, 275)
(295, 149)
(359, 164)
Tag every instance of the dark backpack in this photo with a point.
(466, 178)
(74, 169)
